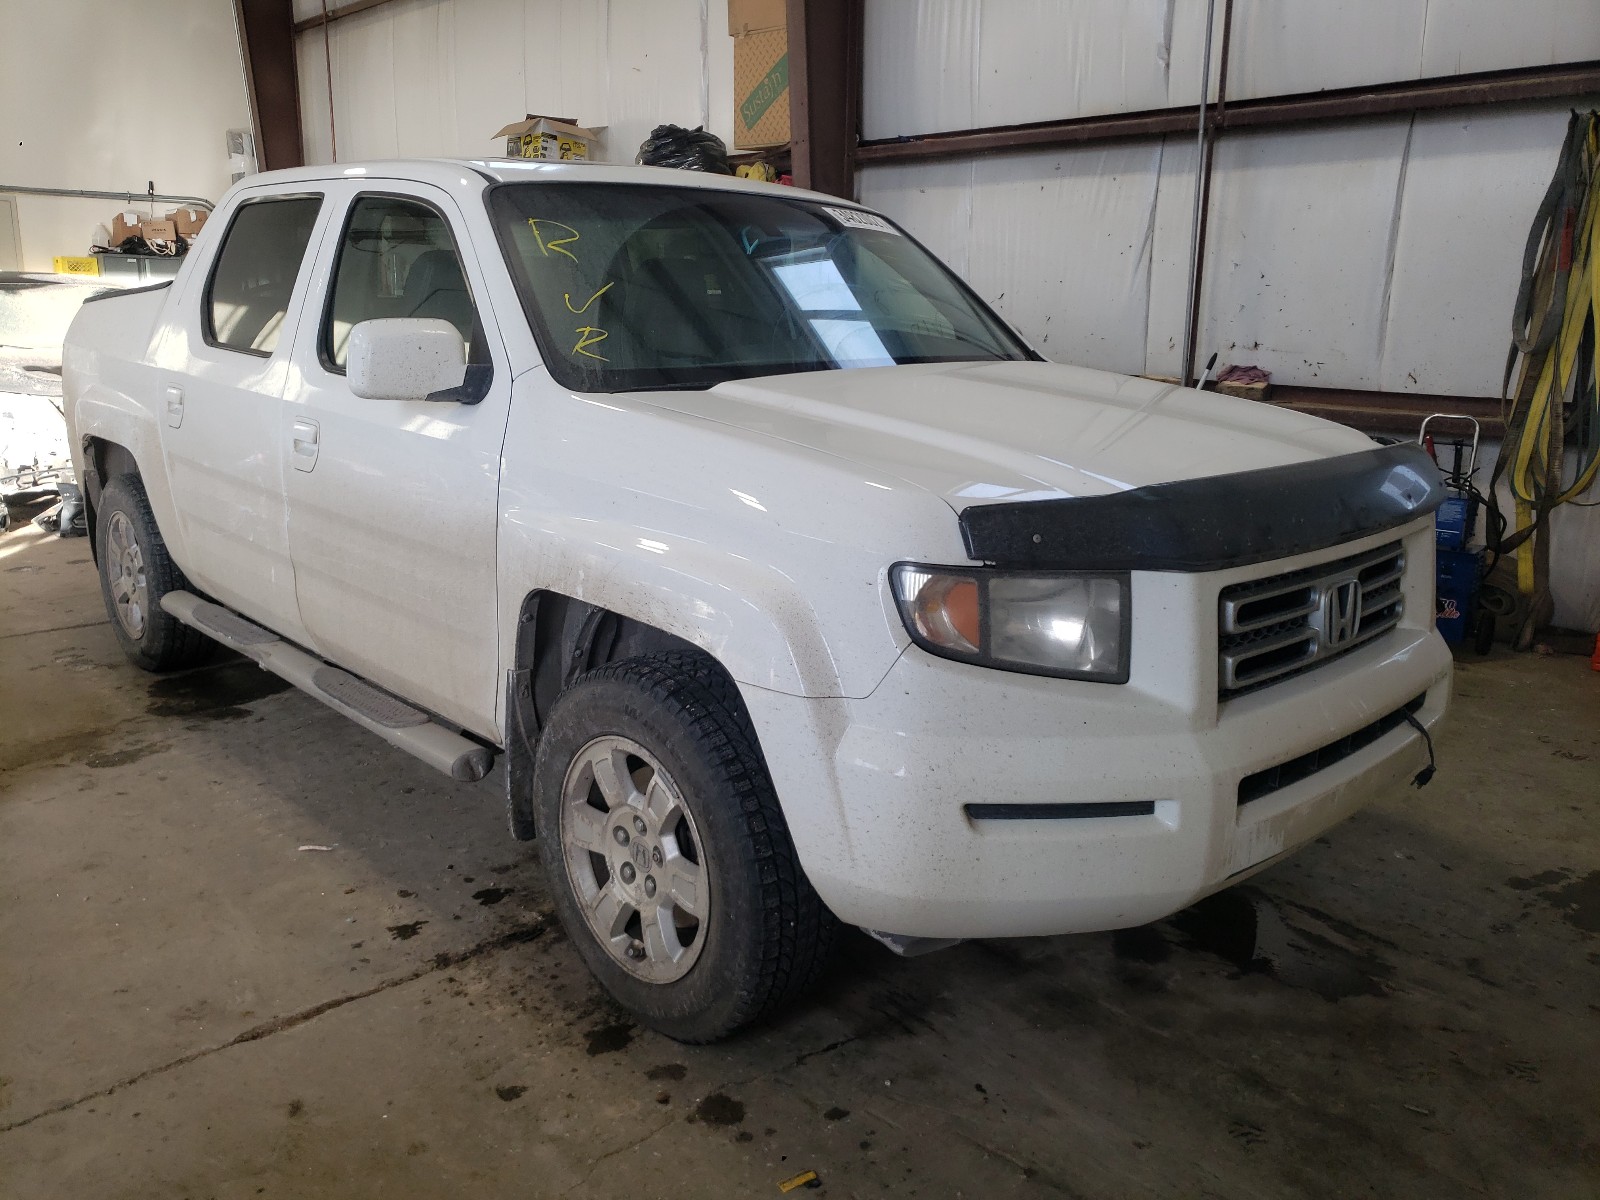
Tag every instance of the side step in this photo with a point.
(392, 719)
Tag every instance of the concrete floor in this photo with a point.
(251, 951)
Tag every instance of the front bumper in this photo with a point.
(876, 790)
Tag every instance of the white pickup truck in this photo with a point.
(792, 585)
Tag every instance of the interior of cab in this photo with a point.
(396, 259)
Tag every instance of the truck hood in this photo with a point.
(982, 433)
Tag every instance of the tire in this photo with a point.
(135, 572)
(736, 931)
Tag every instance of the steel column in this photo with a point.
(825, 93)
(266, 44)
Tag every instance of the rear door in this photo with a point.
(222, 414)
(393, 504)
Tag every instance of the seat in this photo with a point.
(435, 287)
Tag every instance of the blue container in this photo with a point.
(1456, 591)
(1454, 522)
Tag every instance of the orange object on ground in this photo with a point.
(1594, 659)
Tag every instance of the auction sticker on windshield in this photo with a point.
(854, 218)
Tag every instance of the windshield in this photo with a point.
(633, 288)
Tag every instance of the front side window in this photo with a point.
(260, 257)
(396, 259)
(634, 288)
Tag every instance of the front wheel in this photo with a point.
(671, 864)
(135, 572)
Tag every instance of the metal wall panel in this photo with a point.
(438, 77)
(1041, 59)
(1059, 243)
(1297, 256)
(1491, 35)
(1281, 47)
(1472, 183)
(919, 66)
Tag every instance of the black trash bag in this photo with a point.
(687, 149)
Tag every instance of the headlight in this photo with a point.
(1074, 626)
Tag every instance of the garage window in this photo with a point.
(397, 258)
(248, 295)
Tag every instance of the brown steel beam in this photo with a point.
(266, 44)
(1398, 413)
(1339, 104)
(825, 39)
(338, 13)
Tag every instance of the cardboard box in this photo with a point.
(761, 90)
(750, 16)
(551, 139)
(160, 231)
(187, 220)
(124, 226)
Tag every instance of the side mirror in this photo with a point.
(405, 358)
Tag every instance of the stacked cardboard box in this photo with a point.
(553, 139)
(759, 29)
(184, 223)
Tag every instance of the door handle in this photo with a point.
(305, 439)
(174, 406)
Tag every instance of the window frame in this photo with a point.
(208, 331)
(325, 325)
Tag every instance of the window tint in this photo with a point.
(255, 273)
(396, 259)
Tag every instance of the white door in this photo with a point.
(393, 504)
(222, 415)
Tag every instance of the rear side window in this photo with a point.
(248, 296)
(397, 259)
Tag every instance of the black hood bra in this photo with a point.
(1212, 523)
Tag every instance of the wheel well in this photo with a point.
(558, 640)
(103, 461)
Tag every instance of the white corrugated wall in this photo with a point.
(439, 77)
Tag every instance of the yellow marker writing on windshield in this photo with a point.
(588, 335)
(554, 244)
(567, 296)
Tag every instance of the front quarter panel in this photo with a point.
(771, 557)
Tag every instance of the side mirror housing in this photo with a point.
(405, 358)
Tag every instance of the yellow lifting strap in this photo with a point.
(1555, 322)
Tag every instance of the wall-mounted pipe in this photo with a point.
(125, 197)
(1197, 272)
(1202, 160)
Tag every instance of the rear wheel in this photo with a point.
(671, 865)
(135, 572)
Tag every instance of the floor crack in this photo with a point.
(439, 962)
(633, 1145)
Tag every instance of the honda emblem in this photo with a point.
(1341, 612)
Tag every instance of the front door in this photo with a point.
(393, 504)
(221, 414)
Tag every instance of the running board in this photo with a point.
(396, 722)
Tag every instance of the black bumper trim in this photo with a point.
(1275, 779)
(1057, 812)
(1213, 523)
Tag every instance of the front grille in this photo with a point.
(1264, 783)
(1270, 629)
